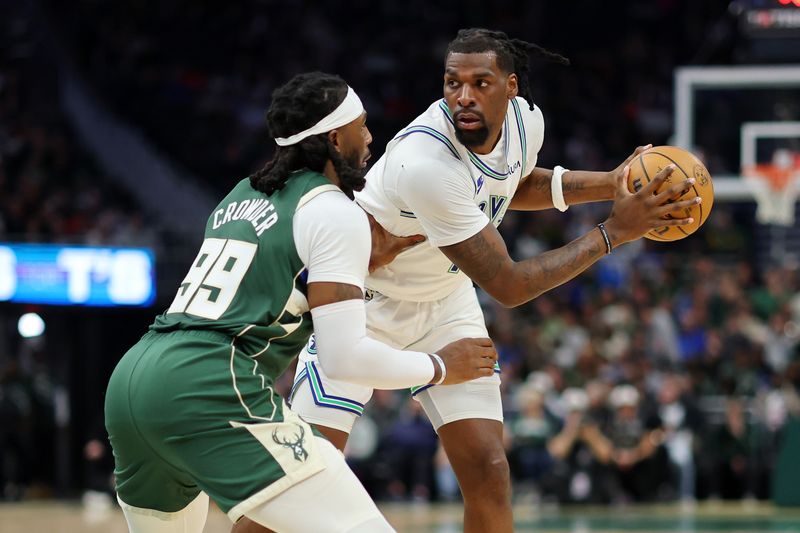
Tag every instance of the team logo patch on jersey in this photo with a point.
(312, 345)
(296, 445)
(494, 207)
(480, 184)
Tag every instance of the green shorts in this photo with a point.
(186, 411)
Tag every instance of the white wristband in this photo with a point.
(441, 366)
(556, 190)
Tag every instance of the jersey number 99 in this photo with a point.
(211, 284)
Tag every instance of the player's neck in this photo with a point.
(488, 146)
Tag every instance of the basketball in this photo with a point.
(687, 165)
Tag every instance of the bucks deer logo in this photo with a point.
(296, 445)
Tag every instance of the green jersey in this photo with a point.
(191, 407)
(247, 281)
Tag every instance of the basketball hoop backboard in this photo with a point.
(747, 82)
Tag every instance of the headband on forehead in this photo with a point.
(350, 109)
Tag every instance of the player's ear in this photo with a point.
(333, 137)
(512, 87)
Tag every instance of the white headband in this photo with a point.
(350, 109)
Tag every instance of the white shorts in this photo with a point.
(419, 326)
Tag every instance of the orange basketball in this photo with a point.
(651, 162)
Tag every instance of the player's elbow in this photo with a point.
(514, 301)
(510, 304)
(509, 296)
(513, 288)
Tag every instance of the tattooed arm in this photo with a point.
(579, 186)
(484, 256)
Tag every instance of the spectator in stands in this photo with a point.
(17, 443)
(734, 447)
(409, 448)
(528, 436)
(582, 453)
(638, 458)
(692, 337)
(781, 341)
(681, 420)
(768, 298)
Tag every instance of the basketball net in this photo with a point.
(775, 186)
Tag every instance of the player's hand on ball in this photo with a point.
(385, 246)
(468, 359)
(615, 175)
(635, 214)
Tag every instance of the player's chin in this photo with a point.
(472, 137)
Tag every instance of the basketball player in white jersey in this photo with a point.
(451, 175)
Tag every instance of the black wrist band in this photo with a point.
(604, 233)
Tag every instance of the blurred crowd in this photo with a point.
(197, 76)
(664, 372)
(51, 190)
(673, 380)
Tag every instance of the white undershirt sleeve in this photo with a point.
(332, 237)
(347, 354)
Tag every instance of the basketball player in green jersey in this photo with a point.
(190, 409)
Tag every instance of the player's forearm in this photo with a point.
(537, 275)
(347, 354)
(578, 187)
(484, 258)
(584, 186)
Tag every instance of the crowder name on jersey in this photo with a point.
(253, 210)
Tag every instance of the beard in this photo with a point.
(470, 138)
(351, 174)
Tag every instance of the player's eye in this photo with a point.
(482, 83)
(452, 84)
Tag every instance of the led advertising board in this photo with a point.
(76, 275)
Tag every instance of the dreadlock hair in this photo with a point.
(512, 54)
(296, 106)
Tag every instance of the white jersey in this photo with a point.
(429, 183)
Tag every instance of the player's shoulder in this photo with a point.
(423, 166)
(333, 208)
(530, 112)
(431, 135)
(532, 124)
(426, 144)
(428, 172)
(333, 200)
